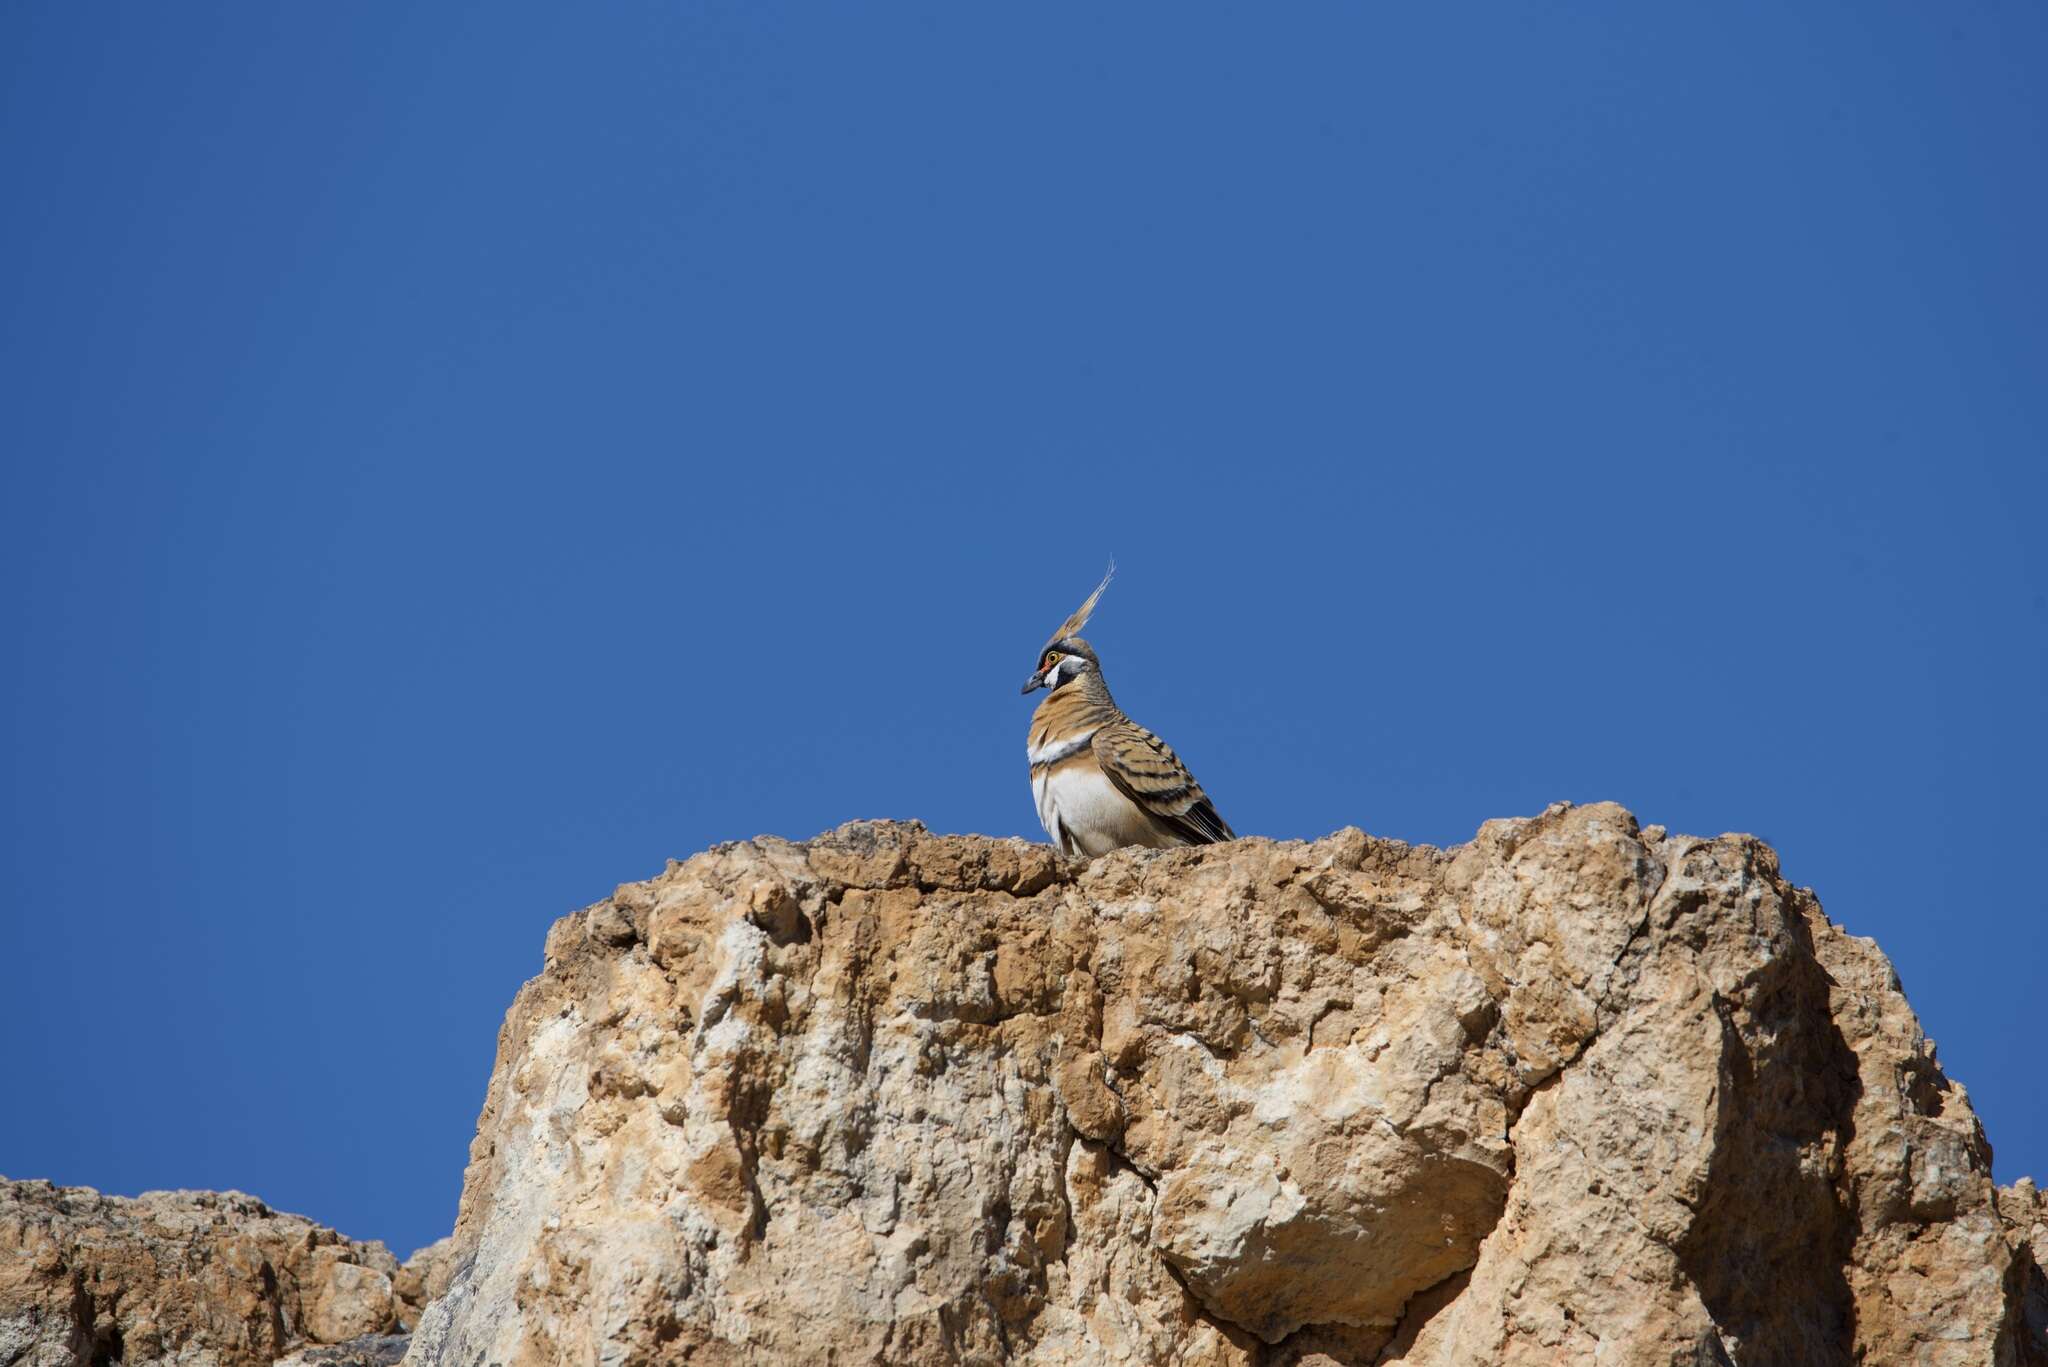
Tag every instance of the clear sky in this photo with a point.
(458, 457)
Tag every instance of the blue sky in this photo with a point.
(458, 457)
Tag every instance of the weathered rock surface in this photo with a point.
(1578, 1091)
(368, 1350)
(212, 1279)
(2025, 1210)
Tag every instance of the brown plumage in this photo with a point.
(1100, 779)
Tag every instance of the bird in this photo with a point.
(1100, 780)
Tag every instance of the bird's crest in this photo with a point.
(1081, 614)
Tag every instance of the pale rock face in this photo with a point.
(197, 1278)
(1575, 1092)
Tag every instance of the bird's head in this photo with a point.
(1066, 657)
(1062, 663)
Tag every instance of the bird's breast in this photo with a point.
(1076, 797)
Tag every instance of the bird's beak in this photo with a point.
(1035, 682)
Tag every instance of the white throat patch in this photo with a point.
(1053, 751)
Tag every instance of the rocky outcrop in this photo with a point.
(1578, 1091)
(190, 1277)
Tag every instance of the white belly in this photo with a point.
(1080, 799)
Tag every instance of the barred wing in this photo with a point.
(1145, 770)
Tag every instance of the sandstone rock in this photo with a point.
(425, 1276)
(2024, 1209)
(1575, 1092)
(192, 1277)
